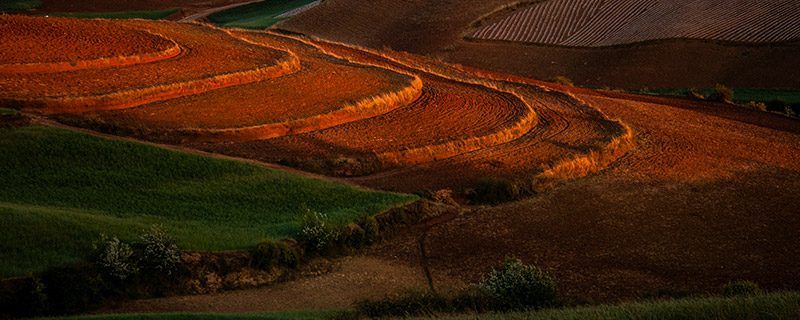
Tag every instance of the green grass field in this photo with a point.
(257, 15)
(149, 15)
(19, 5)
(740, 95)
(62, 189)
(280, 315)
(782, 305)
(7, 111)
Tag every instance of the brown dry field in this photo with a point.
(205, 53)
(705, 197)
(438, 28)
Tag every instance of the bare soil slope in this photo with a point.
(705, 196)
(438, 29)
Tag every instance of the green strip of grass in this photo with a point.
(7, 111)
(61, 189)
(783, 305)
(280, 315)
(19, 5)
(257, 15)
(148, 15)
(742, 95)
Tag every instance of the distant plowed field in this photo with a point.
(604, 23)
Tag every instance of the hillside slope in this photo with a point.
(438, 29)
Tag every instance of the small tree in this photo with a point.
(116, 259)
(268, 253)
(494, 191)
(519, 286)
(739, 288)
(721, 93)
(317, 233)
(160, 251)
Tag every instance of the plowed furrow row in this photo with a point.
(599, 23)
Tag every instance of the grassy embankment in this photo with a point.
(257, 15)
(19, 5)
(781, 305)
(62, 189)
(148, 15)
(7, 111)
(741, 95)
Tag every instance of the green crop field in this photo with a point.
(782, 305)
(741, 95)
(62, 189)
(19, 5)
(149, 15)
(257, 15)
(278, 315)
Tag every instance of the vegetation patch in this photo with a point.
(7, 111)
(257, 15)
(780, 305)
(72, 187)
(19, 5)
(742, 95)
(147, 14)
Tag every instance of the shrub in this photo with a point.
(408, 303)
(493, 191)
(372, 231)
(721, 93)
(740, 288)
(777, 105)
(72, 290)
(27, 299)
(317, 233)
(519, 286)
(268, 254)
(116, 259)
(757, 105)
(356, 239)
(160, 252)
(563, 81)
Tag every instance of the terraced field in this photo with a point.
(594, 23)
(679, 192)
(279, 97)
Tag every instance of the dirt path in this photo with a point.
(354, 278)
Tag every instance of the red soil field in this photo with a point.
(27, 40)
(438, 28)
(210, 59)
(321, 86)
(701, 198)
